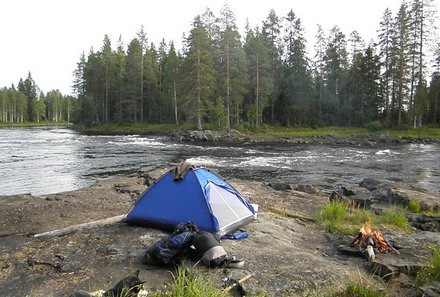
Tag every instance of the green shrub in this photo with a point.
(432, 272)
(374, 126)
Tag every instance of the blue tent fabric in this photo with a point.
(202, 197)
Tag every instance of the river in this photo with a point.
(48, 160)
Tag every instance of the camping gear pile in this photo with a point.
(187, 241)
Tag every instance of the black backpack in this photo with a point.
(171, 249)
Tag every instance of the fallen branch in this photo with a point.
(391, 246)
(80, 227)
(33, 262)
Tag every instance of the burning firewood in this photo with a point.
(371, 241)
(370, 250)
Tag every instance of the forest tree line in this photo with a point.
(221, 78)
(26, 103)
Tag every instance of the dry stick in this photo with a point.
(242, 280)
(80, 227)
(391, 246)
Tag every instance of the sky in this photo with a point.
(47, 37)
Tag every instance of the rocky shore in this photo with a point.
(286, 252)
(235, 136)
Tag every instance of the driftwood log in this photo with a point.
(79, 227)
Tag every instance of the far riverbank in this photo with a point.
(273, 134)
(264, 133)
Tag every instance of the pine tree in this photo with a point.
(29, 89)
(260, 82)
(421, 15)
(108, 64)
(372, 99)
(142, 38)
(79, 83)
(434, 89)
(133, 75)
(354, 107)
(319, 62)
(335, 73)
(400, 60)
(297, 78)
(171, 72)
(120, 65)
(386, 34)
(271, 31)
(200, 69)
(357, 44)
(434, 99)
(232, 65)
(151, 83)
(93, 76)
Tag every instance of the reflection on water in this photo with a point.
(48, 160)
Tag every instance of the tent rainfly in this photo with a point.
(202, 197)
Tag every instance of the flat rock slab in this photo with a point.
(286, 252)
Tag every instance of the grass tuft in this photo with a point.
(338, 217)
(334, 212)
(395, 217)
(432, 272)
(414, 206)
(188, 284)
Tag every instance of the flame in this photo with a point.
(365, 233)
(380, 241)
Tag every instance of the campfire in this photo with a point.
(371, 241)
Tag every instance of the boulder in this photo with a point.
(354, 196)
(280, 186)
(425, 222)
(307, 188)
(370, 184)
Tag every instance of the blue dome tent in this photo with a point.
(201, 196)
